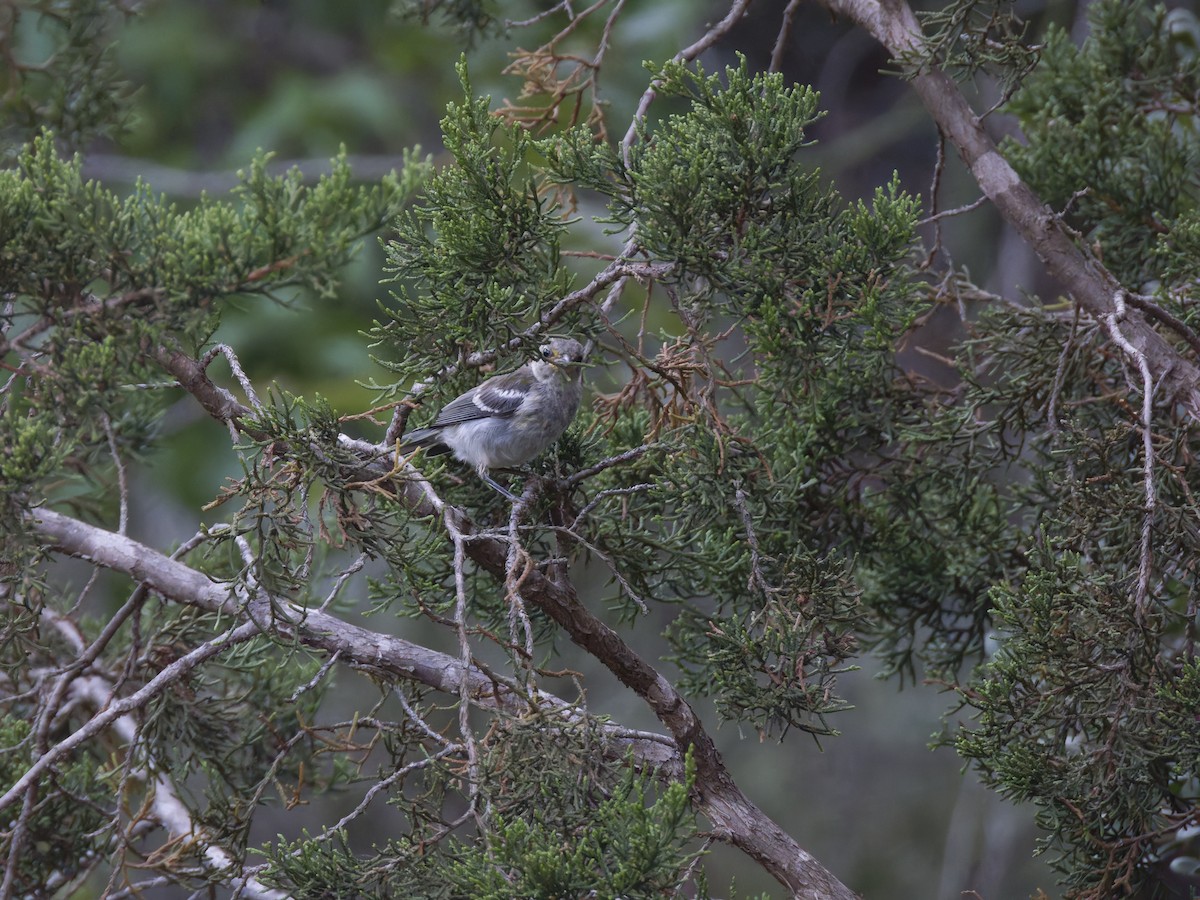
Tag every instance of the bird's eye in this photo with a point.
(545, 351)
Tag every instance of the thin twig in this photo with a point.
(1056, 387)
(756, 579)
(1154, 311)
(168, 676)
(619, 459)
(420, 722)
(533, 20)
(611, 492)
(606, 34)
(939, 166)
(466, 660)
(516, 566)
(957, 211)
(606, 559)
(1112, 322)
(736, 10)
(317, 678)
(236, 367)
(373, 791)
(122, 480)
(353, 569)
(781, 39)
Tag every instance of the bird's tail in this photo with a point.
(428, 438)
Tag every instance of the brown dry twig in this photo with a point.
(563, 80)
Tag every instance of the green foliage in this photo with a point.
(63, 834)
(472, 18)
(1080, 716)
(945, 525)
(1111, 133)
(1016, 534)
(276, 234)
(563, 821)
(96, 286)
(479, 255)
(966, 37)
(719, 189)
(29, 455)
(228, 730)
(1025, 508)
(623, 847)
(1177, 253)
(58, 72)
(324, 867)
(761, 669)
(762, 465)
(750, 521)
(97, 282)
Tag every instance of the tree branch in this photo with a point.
(191, 375)
(1113, 323)
(168, 808)
(393, 656)
(893, 24)
(139, 698)
(733, 816)
(114, 169)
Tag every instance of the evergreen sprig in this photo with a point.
(1110, 134)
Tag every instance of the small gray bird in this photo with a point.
(509, 419)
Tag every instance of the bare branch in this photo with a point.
(957, 211)
(736, 10)
(785, 32)
(757, 579)
(235, 366)
(620, 459)
(218, 402)
(1154, 311)
(110, 714)
(465, 661)
(392, 656)
(122, 479)
(515, 568)
(1145, 565)
(733, 816)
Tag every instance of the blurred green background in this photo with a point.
(217, 79)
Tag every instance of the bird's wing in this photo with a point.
(497, 397)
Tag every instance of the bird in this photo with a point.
(509, 419)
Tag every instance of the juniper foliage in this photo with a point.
(761, 474)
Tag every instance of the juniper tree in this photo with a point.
(757, 460)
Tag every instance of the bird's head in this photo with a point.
(562, 357)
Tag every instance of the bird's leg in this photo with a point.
(512, 498)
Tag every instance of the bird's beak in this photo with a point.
(564, 362)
